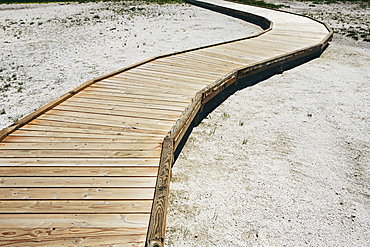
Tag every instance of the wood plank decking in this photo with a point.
(93, 167)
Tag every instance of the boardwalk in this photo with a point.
(93, 167)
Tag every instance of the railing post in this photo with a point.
(157, 224)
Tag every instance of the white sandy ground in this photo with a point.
(282, 163)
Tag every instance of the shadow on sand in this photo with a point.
(236, 86)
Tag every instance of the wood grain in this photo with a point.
(86, 171)
(76, 182)
(76, 206)
(78, 162)
(76, 194)
(157, 225)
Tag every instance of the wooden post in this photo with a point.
(157, 224)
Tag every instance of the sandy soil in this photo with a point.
(282, 163)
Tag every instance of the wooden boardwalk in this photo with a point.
(93, 167)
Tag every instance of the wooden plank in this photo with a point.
(128, 94)
(282, 39)
(225, 57)
(178, 70)
(94, 132)
(135, 87)
(170, 67)
(77, 182)
(154, 80)
(83, 221)
(275, 44)
(36, 138)
(78, 171)
(168, 83)
(79, 207)
(132, 99)
(302, 38)
(88, 237)
(92, 128)
(255, 48)
(136, 79)
(55, 231)
(313, 31)
(263, 46)
(129, 122)
(133, 114)
(184, 57)
(257, 55)
(195, 58)
(187, 60)
(142, 93)
(198, 57)
(78, 162)
(243, 46)
(81, 146)
(119, 102)
(136, 124)
(238, 53)
(215, 70)
(75, 194)
(111, 107)
(85, 153)
(180, 80)
(71, 136)
(99, 116)
(186, 63)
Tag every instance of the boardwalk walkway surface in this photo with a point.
(93, 167)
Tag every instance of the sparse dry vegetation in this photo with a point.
(350, 19)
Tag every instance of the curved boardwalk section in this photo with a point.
(93, 167)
